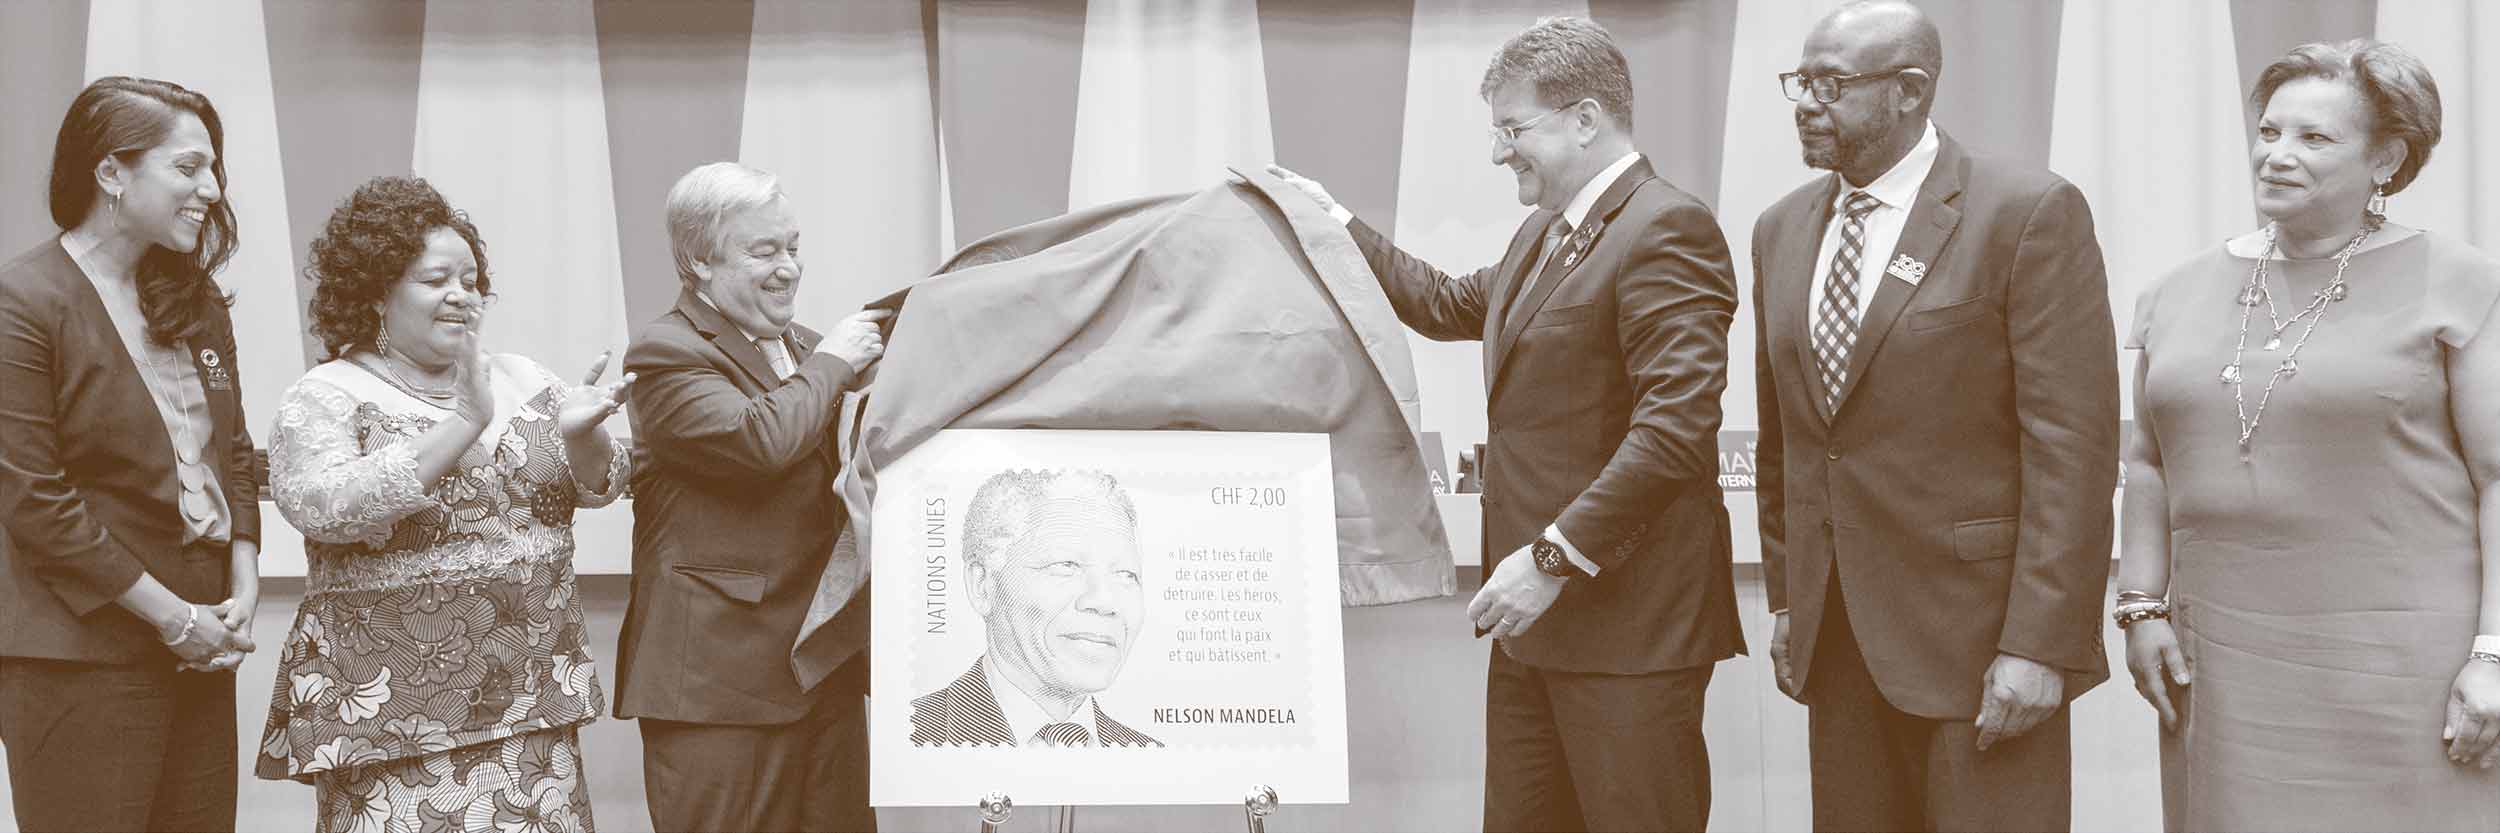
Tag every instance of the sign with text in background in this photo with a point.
(1106, 617)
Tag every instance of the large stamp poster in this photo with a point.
(1106, 617)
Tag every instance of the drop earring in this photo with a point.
(382, 341)
(2375, 214)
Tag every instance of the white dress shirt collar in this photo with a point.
(1025, 717)
(1898, 186)
(1897, 191)
(1577, 211)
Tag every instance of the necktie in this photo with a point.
(778, 354)
(1836, 323)
(1064, 734)
(1555, 234)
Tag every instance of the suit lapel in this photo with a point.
(1115, 733)
(215, 366)
(1515, 259)
(1930, 225)
(158, 453)
(1559, 268)
(728, 338)
(1799, 291)
(987, 721)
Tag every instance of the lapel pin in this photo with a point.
(1908, 269)
(1580, 242)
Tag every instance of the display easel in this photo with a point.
(997, 807)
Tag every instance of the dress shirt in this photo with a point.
(1896, 191)
(1026, 718)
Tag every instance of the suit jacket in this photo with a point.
(964, 714)
(1962, 490)
(1603, 409)
(734, 517)
(87, 489)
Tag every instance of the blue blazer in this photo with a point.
(87, 489)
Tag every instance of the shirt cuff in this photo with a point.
(1340, 214)
(1571, 552)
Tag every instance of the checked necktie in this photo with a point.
(1836, 323)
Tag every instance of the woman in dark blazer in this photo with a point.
(129, 516)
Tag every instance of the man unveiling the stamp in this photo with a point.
(1605, 323)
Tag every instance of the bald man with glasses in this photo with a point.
(1939, 441)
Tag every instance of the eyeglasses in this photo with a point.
(1504, 134)
(1827, 88)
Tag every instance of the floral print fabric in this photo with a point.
(437, 622)
(529, 783)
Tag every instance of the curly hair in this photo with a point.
(120, 116)
(365, 248)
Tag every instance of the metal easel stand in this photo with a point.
(1256, 807)
(997, 807)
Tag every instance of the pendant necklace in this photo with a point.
(2253, 294)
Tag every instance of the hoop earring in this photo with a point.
(2375, 213)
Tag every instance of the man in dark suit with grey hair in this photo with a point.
(734, 410)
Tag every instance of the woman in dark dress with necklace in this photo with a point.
(437, 675)
(2310, 574)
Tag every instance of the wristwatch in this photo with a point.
(1550, 559)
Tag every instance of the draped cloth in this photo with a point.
(1242, 307)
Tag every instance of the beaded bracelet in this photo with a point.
(2127, 616)
(2481, 656)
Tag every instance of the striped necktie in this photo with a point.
(777, 353)
(1064, 734)
(1836, 323)
(1555, 233)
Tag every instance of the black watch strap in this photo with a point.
(1551, 560)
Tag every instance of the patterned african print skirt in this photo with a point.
(528, 783)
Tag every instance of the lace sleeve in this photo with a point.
(325, 485)
(620, 467)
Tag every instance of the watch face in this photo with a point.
(1549, 557)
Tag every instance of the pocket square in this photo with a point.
(1908, 269)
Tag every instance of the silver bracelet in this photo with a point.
(2482, 656)
(188, 624)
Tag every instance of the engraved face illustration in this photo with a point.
(1056, 574)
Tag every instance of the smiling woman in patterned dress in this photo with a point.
(436, 676)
